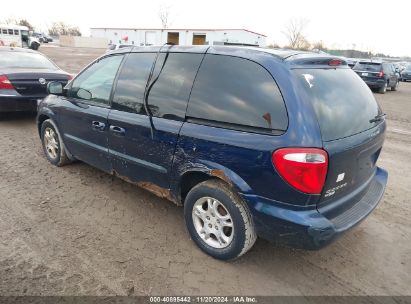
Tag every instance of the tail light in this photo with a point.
(70, 77)
(381, 74)
(303, 168)
(5, 83)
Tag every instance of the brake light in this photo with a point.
(334, 62)
(5, 83)
(381, 74)
(303, 168)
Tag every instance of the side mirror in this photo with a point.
(84, 94)
(55, 88)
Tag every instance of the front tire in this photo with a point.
(53, 145)
(218, 220)
(34, 46)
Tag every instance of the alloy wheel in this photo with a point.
(213, 222)
(51, 143)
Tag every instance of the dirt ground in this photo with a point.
(78, 231)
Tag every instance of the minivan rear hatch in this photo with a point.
(352, 128)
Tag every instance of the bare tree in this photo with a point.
(16, 21)
(294, 32)
(319, 45)
(274, 45)
(11, 20)
(60, 28)
(164, 13)
(24, 22)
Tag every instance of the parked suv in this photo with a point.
(406, 73)
(378, 75)
(252, 142)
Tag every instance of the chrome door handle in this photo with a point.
(98, 126)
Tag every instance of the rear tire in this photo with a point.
(394, 88)
(53, 145)
(218, 220)
(383, 89)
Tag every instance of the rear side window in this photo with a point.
(239, 94)
(343, 103)
(171, 84)
(131, 83)
(388, 68)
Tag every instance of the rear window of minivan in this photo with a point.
(343, 103)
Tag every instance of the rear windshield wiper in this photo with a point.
(378, 118)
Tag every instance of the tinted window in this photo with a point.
(4, 31)
(169, 95)
(343, 103)
(95, 83)
(368, 66)
(25, 60)
(16, 32)
(131, 83)
(10, 32)
(237, 91)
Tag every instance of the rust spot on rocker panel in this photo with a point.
(153, 188)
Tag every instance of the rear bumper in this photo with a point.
(312, 229)
(18, 103)
(375, 84)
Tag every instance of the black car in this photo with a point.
(48, 38)
(24, 75)
(251, 141)
(377, 75)
(406, 74)
(41, 37)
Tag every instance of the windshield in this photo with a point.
(368, 66)
(343, 103)
(25, 60)
(408, 68)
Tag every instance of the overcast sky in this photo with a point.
(377, 26)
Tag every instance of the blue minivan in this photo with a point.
(252, 142)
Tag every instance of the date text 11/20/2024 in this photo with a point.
(203, 299)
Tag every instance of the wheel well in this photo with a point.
(40, 121)
(190, 180)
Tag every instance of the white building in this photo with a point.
(143, 37)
